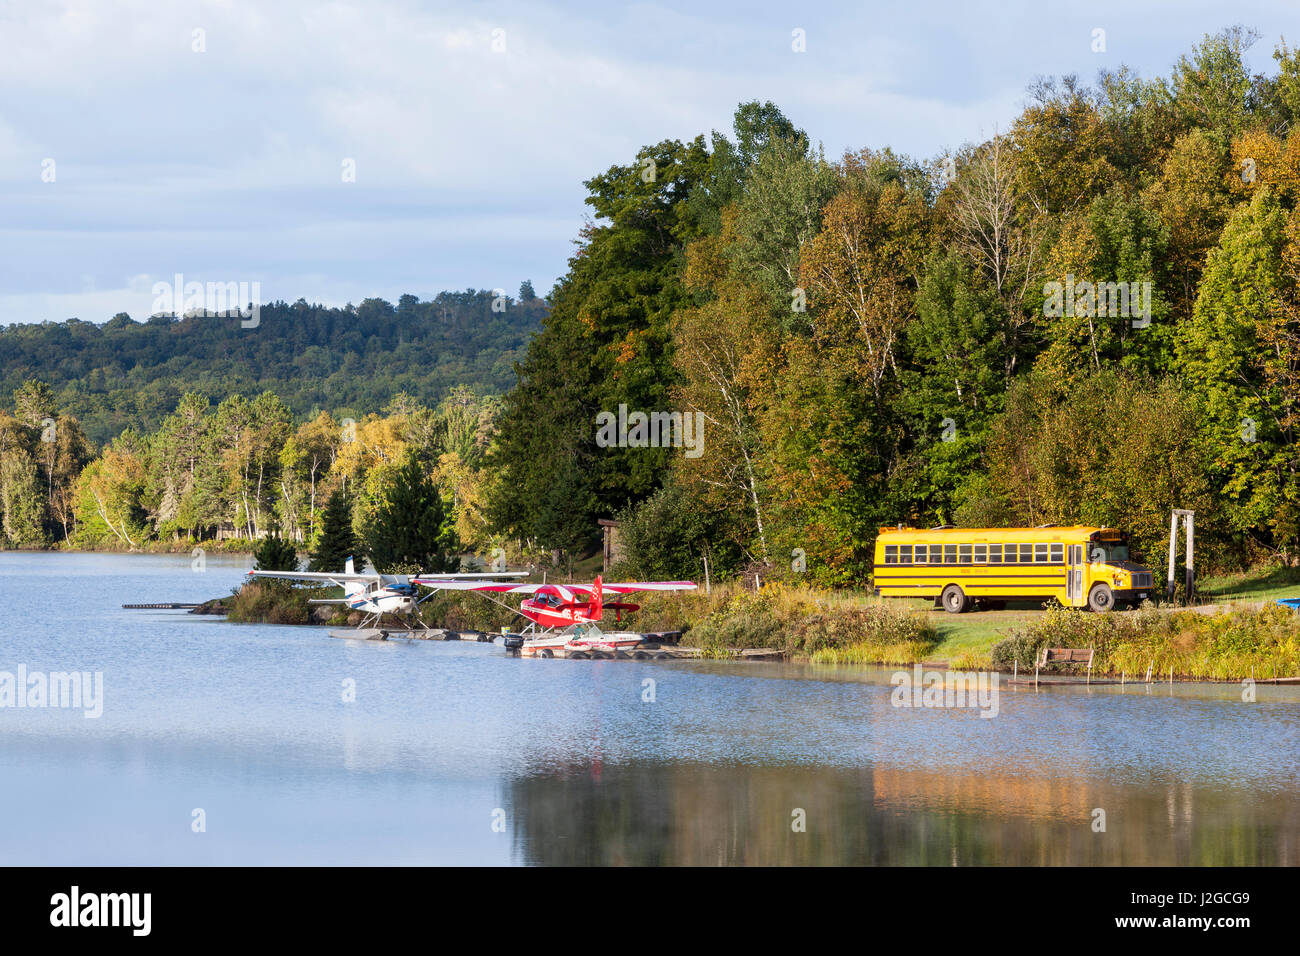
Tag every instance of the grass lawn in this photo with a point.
(1259, 585)
(973, 632)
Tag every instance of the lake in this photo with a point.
(246, 744)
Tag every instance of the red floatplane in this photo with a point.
(565, 615)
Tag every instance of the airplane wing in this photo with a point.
(339, 577)
(503, 588)
(324, 577)
(650, 586)
(447, 584)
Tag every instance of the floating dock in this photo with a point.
(652, 649)
(414, 634)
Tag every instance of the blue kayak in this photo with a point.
(1292, 603)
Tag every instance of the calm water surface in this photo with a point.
(455, 753)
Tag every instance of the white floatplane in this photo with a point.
(377, 594)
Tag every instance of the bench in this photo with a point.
(1065, 655)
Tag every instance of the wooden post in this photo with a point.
(707, 588)
(1189, 522)
(1173, 555)
(1149, 666)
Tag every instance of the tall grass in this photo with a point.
(828, 626)
(1240, 642)
(271, 602)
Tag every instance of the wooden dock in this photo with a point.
(651, 650)
(416, 634)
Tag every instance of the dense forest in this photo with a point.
(351, 360)
(238, 471)
(1091, 316)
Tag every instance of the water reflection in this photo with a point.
(248, 722)
(656, 814)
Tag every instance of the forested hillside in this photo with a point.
(351, 361)
(1092, 316)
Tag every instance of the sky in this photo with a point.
(339, 151)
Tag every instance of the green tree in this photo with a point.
(1238, 297)
(1213, 88)
(274, 553)
(411, 529)
(337, 540)
(669, 536)
(606, 342)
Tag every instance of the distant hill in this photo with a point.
(348, 360)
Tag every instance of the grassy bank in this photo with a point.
(842, 626)
(276, 602)
(1236, 643)
(855, 627)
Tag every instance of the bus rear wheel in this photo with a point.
(1101, 598)
(954, 599)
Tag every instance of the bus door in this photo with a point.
(1074, 576)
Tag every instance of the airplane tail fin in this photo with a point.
(597, 608)
(352, 588)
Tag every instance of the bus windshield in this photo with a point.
(1109, 552)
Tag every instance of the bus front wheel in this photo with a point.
(1101, 598)
(954, 599)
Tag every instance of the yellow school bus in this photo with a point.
(1078, 565)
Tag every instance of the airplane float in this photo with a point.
(377, 594)
(564, 615)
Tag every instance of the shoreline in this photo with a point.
(698, 652)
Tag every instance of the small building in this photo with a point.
(612, 546)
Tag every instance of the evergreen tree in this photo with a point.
(274, 553)
(411, 530)
(337, 541)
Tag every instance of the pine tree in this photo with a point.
(274, 553)
(337, 541)
(411, 530)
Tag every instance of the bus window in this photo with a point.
(1058, 553)
(963, 554)
(949, 554)
(1040, 553)
(995, 554)
(905, 554)
(1026, 554)
(891, 554)
(981, 553)
(936, 554)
